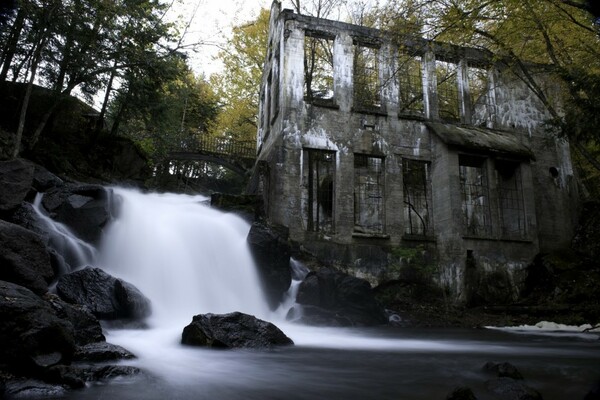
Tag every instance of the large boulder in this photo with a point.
(24, 258)
(32, 336)
(83, 208)
(231, 331)
(104, 295)
(330, 297)
(16, 177)
(87, 328)
(271, 253)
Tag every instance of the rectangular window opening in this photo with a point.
(411, 84)
(475, 195)
(367, 86)
(318, 67)
(319, 178)
(418, 214)
(510, 194)
(482, 108)
(447, 90)
(368, 194)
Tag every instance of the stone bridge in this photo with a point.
(237, 156)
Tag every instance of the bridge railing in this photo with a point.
(219, 145)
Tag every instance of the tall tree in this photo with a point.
(238, 86)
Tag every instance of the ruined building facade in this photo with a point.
(384, 158)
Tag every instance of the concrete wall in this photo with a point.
(297, 124)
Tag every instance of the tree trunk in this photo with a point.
(11, 46)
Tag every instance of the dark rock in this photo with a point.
(510, 389)
(65, 375)
(594, 393)
(32, 336)
(231, 331)
(106, 372)
(317, 316)
(271, 253)
(104, 295)
(461, 393)
(24, 258)
(102, 351)
(44, 179)
(32, 389)
(346, 297)
(83, 208)
(503, 370)
(16, 177)
(86, 326)
(249, 207)
(26, 217)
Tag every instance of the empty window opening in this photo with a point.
(482, 108)
(418, 215)
(510, 194)
(318, 67)
(367, 89)
(447, 91)
(475, 195)
(368, 194)
(319, 178)
(411, 84)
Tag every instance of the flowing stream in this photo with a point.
(190, 259)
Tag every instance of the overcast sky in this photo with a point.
(212, 21)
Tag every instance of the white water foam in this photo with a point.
(187, 258)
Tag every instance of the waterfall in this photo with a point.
(76, 252)
(185, 256)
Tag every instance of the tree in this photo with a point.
(84, 45)
(239, 86)
(530, 36)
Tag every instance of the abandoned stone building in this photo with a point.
(381, 158)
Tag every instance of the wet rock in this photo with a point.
(106, 372)
(44, 179)
(24, 258)
(86, 326)
(461, 393)
(233, 330)
(102, 351)
(511, 389)
(31, 389)
(348, 299)
(104, 295)
(16, 177)
(32, 336)
(271, 253)
(504, 369)
(594, 393)
(83, 208)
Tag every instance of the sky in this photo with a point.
(211, 23)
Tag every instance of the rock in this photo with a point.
(86, 326)
(231, 331)
(461, 393)
(271, 253)
(16, 177)
(44, 179)
(510, 389)
(105, 372)
(24, 258)
(594, 393)
(102, 351)
(32, 336)
(83, 208)
(104, 295)
(32, 389)
(503, 370)
(348, 298)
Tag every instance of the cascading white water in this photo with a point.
(186, 257)
(76, 252)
